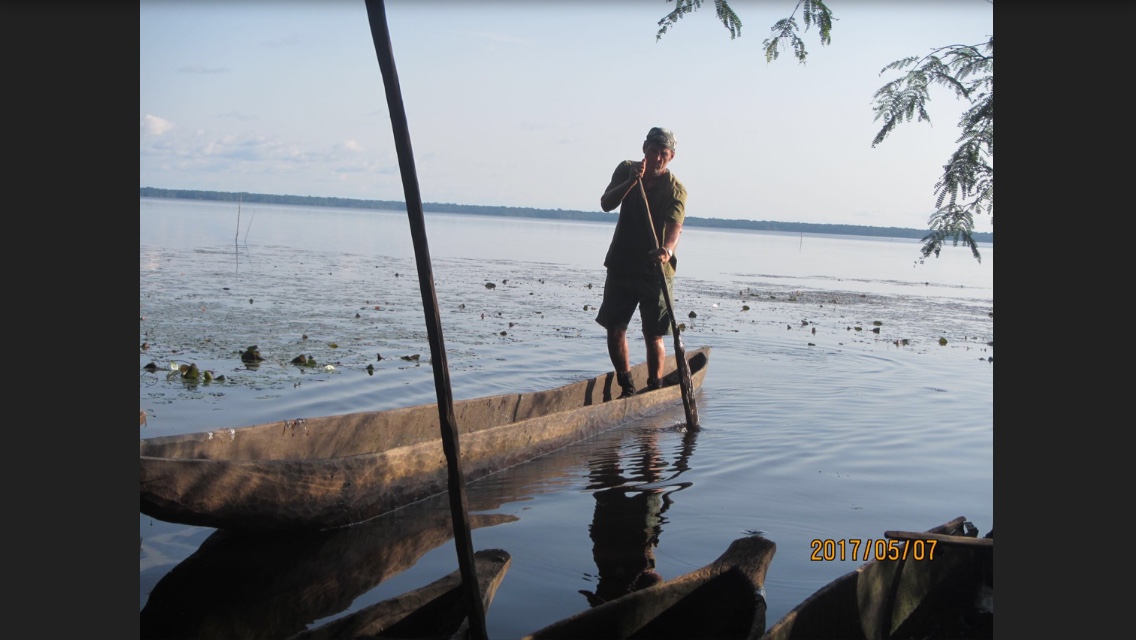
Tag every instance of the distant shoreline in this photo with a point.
(545, 214)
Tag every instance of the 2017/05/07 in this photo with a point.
(828, 550)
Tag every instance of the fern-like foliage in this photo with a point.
(813, 12)
(966, 187)
(683, 7)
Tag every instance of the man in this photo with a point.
(633, 258)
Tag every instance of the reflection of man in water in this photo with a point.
(625, 532)
(626, 526)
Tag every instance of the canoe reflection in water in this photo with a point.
(273, 586)
(629, 514)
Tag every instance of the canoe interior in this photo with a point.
(940, 598)
(368, 432)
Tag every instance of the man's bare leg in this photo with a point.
(617, 349)
(620, 359)
(656, 355)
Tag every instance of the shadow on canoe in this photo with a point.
(724, 599)
(435, 611)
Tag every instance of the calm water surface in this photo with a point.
(814, 425)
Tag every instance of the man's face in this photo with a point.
(657, 158)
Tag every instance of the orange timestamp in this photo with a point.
(828, 549)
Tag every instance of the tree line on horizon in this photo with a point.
(528, 212)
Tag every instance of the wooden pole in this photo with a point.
(680, 352)
(459, 508)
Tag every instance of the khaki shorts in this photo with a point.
(622, 294)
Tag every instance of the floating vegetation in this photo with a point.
(877, 323)
(490, 285)
(333, 345)
(251, 354)
(191, 372)
(942, 342)
(745, 307)
(413, 358)
(858, 328)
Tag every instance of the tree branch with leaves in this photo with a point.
(966, 187)
(785, 31)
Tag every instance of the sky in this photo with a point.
(533, 104)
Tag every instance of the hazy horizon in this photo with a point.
(534, 106)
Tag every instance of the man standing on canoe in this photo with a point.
(633, 258)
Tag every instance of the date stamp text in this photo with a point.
(828, 549)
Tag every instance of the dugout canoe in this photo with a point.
(436, 610)
(255, 585)
(947, 595)
(724, 599)
(326, 472)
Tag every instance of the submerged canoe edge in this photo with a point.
(333, 471)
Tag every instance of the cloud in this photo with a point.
(498, 37)
(155, 126)
(193, 68)
(287, 41)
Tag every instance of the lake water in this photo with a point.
(815, 426)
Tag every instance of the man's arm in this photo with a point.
(619, 190)
(670, 241)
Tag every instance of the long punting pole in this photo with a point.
(680, 352)
(459, 509)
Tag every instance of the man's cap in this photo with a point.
(661, 137)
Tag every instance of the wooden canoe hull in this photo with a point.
(436, 610)
(901, 598)
(325, 472)
(724, 599)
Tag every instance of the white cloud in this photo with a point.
(155, 126)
